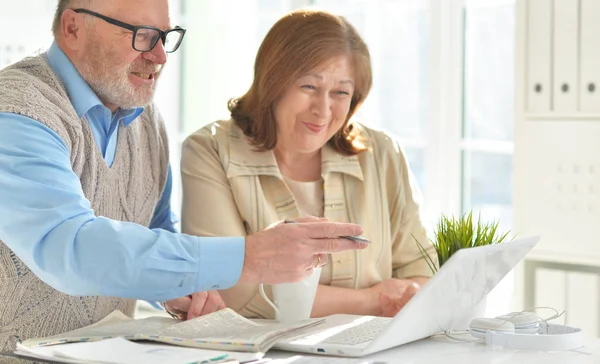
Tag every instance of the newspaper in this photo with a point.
(221, 330)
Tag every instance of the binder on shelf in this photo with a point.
(589, 85)
(539, 56)
(566, 56)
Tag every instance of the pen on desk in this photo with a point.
(357, 238)
(217, 360)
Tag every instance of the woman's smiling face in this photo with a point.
(315, 106)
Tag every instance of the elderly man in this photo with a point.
(85, 185)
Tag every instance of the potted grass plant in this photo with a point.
(454, 233)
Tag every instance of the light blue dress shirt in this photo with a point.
(47, 221)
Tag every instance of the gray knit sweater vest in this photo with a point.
(127, 191)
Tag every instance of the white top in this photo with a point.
(310, 200)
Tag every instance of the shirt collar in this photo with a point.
(245, 160)
(81, 94)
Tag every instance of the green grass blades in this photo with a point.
(452, 234)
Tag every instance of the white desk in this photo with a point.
(444, 351)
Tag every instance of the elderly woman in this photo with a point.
(291, 150)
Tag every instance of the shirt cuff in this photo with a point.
(220, 262)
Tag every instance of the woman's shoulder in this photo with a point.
(385, 152)
(214, 130)
(377, 141)
(215, 133)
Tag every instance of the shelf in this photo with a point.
(558, 116)
(562, 258)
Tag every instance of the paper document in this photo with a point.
(300, 359)
(121, 351)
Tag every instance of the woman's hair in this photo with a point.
(299, 42)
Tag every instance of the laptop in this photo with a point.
(448, 301)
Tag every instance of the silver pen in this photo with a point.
(358, 238)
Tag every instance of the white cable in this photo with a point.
(545, 320)
(451, 334)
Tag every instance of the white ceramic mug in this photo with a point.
(293, 301)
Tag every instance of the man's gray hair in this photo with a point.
(64, 5)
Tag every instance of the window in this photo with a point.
(21, 20)
(487, 121)
(488, 113)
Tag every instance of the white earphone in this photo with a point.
(526, 331)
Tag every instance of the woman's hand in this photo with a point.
(392, 304)
(194, 305)
(389, 296)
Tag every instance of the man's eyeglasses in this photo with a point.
(145, 37)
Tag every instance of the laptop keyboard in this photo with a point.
(364, 332)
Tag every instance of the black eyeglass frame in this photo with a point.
(162, 34)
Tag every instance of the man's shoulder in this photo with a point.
(151, 123)
(30, 73)
(27, 64)
(30, 88)
(151, 115)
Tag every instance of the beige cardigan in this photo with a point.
(229, 189)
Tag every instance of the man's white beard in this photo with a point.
(111, 84)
